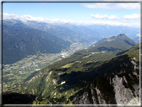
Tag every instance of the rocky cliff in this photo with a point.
(121, 88)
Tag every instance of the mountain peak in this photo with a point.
(121, 35)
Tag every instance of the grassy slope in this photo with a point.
(76, 71)
(66, 77)
(120, 63)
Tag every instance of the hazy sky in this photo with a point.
(77, 13)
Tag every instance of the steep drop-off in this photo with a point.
(121, 87)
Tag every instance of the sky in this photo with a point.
(125, 14)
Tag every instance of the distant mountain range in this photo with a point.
(68, 32)
(27, 38)
(19, 41)
(22, 39)
(137, 39)
(84, 33)
(77, 33)
(108, 31)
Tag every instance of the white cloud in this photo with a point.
(98, 16)
(133, 16)
(113, 5)
(112, 17)
(97, 5)
(10, 16)
(25, 18)
(128, 5)
(107, 22)
(138, 35)
(29, 17)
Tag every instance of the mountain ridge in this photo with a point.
(20, 42)
(120, 42)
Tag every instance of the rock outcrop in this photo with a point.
(121, 88)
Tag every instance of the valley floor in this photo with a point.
(14, 74)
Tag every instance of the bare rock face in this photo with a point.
(122, 88)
